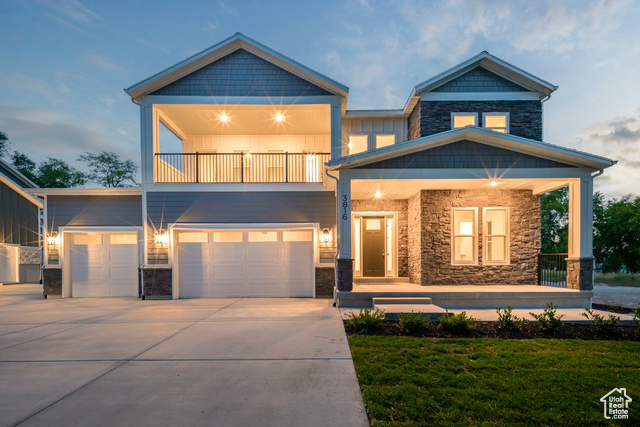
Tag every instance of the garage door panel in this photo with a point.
(122, 254)
(256, 263)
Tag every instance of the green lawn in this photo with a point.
(422, 381)
(618, 279)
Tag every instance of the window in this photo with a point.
(123, 239)
(227, 236)
(496, 235)
(87, 239)
(497, 122)
(460, 120)
(263, 236)
(194, 237)
(297, 236)
(464, 245)
(358, 143)
(385, 140)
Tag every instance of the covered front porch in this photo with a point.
(464, 215)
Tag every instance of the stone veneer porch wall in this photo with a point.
(399, 206)
(429, 229)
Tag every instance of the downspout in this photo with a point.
(335, 258)
(600, 172)
(144, 228)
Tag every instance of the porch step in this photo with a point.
(401, 300)
(383, 280)
(391, 311)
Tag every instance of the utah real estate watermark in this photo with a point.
(616, 404)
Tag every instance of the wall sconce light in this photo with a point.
(53, 240)
(162, 238)
(326, 236)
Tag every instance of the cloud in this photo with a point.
(211, 26)
(103, 63)
(619, 130)
(224, 5)
(72, 9)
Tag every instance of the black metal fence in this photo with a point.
(239, 167)
(552, 270)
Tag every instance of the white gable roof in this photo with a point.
(224, 48)
(494, 64)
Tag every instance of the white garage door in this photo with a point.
(245, 263)
(8, 264)
(104, 265)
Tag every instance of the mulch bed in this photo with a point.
(529, 330)
(612, 308)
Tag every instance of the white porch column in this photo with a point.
(345, 262)
(580, 263)
(147, 143)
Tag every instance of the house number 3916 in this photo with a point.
(345, 206)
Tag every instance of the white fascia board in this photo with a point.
(490, 62)
(471, 173)
(482, 96)
(233, 187)
(126, 191)
(152, 100)
(24, 193)
(483, 136)
(225, 47)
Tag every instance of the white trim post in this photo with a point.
(345, 262)
(336, 131)
(580, 263)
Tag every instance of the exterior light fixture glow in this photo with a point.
(279, 117)
(494, 183)
(53, 240)
(162, 237)
(247, 155)
(326, 236)
(223, 117)
(378, 194)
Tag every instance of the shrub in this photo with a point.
(508, 320)
(413, 322)
(365, 321)
(600, 322)
(548, 319)
(457, 322)
(636, 316)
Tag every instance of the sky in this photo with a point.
(65, 62)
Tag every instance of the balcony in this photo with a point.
(239, 167)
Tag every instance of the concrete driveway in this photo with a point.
(123, 361)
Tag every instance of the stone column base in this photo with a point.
(580, 273)
(345, 274)
(157, 283)
(52, 282)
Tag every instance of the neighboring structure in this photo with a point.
(244, 152)
(20, 242)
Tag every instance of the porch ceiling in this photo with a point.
(249, 119)
(403, 189)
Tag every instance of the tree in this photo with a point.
(616, 237)
(108, 170)
(55, 173)
(24, 165)
(4, 143)
(555, 221)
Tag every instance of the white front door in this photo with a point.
(245, 263)
(104, 264)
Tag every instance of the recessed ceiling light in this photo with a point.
(378, 194)
(223, 117)
(494, 183)
(279, 117)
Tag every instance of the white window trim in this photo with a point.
(462, 114)
(507, 260)
(453, 237)
(496, 113)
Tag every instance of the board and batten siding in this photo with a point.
(283, 207)
(372, 127)
(18, 218)
(93, 211)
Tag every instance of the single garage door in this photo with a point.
(8, 263)
(104, 265)
(245, 263)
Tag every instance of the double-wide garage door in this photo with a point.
(104, 265)
(245, 263)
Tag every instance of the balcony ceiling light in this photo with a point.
(279, 117)
(223, 117)
(494, 183)
(378, 194)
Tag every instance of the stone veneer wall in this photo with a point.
(413, 123)
(399, 206)
(414, 231)
(525, 117)
(157, 282)
(325, 281)
(434, 219)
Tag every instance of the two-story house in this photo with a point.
(258, 181)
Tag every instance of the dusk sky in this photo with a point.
(65, 62)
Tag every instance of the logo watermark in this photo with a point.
(616, 404)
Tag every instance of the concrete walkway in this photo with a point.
(215, 362)
(625, 296)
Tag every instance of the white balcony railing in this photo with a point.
(239, 167)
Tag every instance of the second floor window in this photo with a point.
(385, 140)
(497, 122)
(460, 120)
(358, 143)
